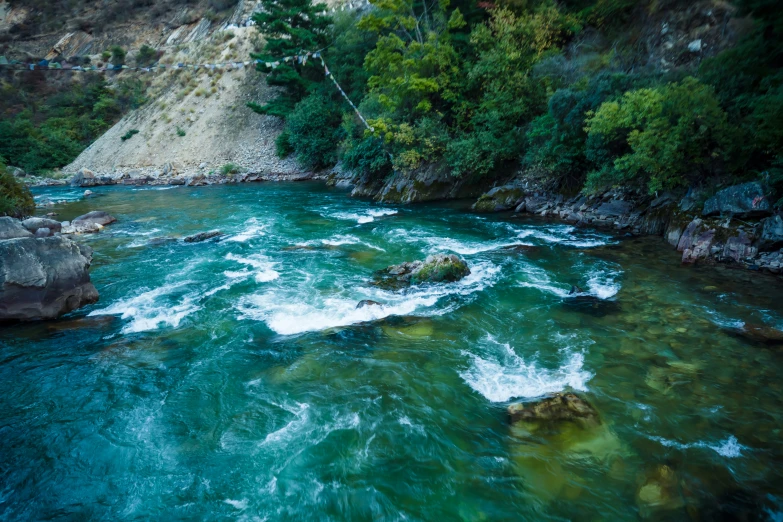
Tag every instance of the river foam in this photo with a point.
(729, 448)
(264, 269)
(501, 375)
(295, 310)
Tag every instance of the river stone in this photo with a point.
(771, 237)
(560, 407)
(97, 217)
(43, 278)
(746, 200)
(35, 223)
(203, 236)
(440, 268)
(660, 492)
(11, 228)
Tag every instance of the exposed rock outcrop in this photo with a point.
(746, 200)
(771, 236)
(96, 217)
(439, 268)
(43, 278)
(498, 199)
(35, 224)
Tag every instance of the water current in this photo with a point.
(236, 379)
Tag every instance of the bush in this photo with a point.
(146, 56)
(128, 135)
(117, 55)
(229, 168)
(15, 198)
(663, 137)
(180, 132)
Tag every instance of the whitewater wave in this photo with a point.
(149, 310)
(502, 375)
(365, 217)
(602, 282)
(566, 235)
(729, 448)
(340, 240)
(286, 312)
(264, 269)
(251, 228)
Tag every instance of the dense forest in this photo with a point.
(568, 92)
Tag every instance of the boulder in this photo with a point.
(771, 237)
(659, 492)
(43, 278)
(439, 268)
(556, 408)
(700, 247)
(498, 199)
(96, 217)
(203, 236)
(533, 204)
(35, 223)
(11, 228)
(88, 193)
(739, 247)
(17, 172)
(614, 208)
(746, 200)
(43, 232)
(84, 178)
(690, 233)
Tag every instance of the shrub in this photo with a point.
(15, 198)
(117, 55)
(180, 132)
(128, 135)
(146, 56)
(229, 168)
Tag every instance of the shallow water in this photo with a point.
(236, 379)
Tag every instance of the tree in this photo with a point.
(291, 27)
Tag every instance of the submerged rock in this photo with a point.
(203, 236)
(659, 492)
(439, 268)
(590, 304)
(43, 278)
(758, 333)
(745, 200)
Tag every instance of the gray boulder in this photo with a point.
(43, 278)
(771, 237)
(96, 217)
(84, 178)
(498, 199)
(34, 224)
(746, 200)
(11, 228)
(614, 208)
(203, 236)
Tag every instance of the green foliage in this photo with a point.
(117, 55)
(290, 27)
(229, 168)
(283, 146)
(663, 136)
(15, 198)
(51, 129)
(313, 131)
(128, 135)
(181, 132)
(146, 56)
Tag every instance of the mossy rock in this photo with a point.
(435, 269)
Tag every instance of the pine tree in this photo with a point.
(290, 28)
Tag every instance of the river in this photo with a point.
(237, 379)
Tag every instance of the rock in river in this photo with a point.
(439, 268)
(11, 228)
(35, 224)
(97, 217)
(758, 333)
(43, 278)
(203, 236)
(556, 408)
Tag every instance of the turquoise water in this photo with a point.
(236, 379)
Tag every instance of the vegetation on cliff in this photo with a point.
(566, 91)
(15, 198)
